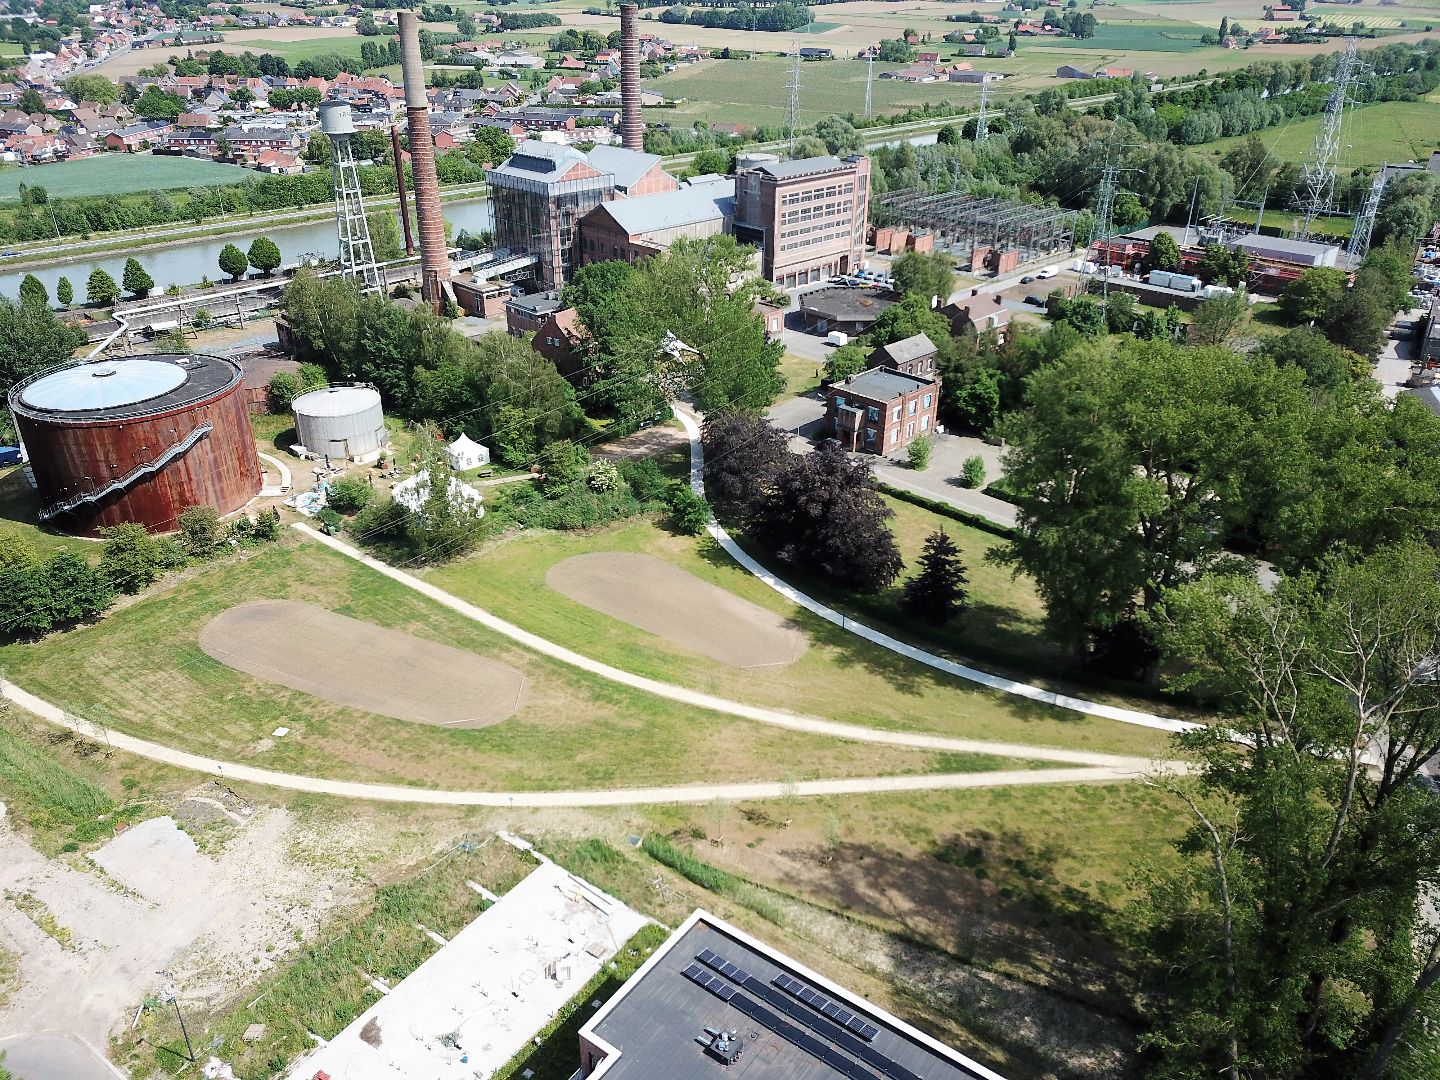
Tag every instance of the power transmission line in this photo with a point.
(1317, 189)
(792, 87)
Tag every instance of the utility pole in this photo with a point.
(1317, 187)
(1190, 217)
(982, 123)
(1104, 221)
(869, 81)
(792, 87)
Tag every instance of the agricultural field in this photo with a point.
(1389, 131)
(119, 174)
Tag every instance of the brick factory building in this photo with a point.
(632, 229)
(808, 217)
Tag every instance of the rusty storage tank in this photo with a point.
(341, 421)
(137, 440)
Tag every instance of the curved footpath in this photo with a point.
(895, 645)
(696, 793)
(812, 725)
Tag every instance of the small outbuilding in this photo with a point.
(465, 453)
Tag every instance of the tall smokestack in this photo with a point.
(434, 261)
(632, 127)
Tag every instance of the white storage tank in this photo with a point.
(341, 421)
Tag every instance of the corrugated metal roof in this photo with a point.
(672, 209)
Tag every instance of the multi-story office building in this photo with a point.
(808, 217)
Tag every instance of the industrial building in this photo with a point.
(808, 217)
(882, 410)
(849, 311)
(137, 440)
(543, 189)
(631, 229)
(341, 422)
(714, 998)
(1275, 262)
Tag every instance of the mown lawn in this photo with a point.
(140, 670)
(1387, 131)
(119, 174)
(840, 677)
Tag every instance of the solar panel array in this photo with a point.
(822, 1004)
(825, 1025)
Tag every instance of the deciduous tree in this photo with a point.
(924, 275)
(264, 255)
(233, 262)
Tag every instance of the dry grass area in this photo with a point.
(661, 598)
(364, 666)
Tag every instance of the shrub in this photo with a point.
(920, 454)
(689, 513)
(200, 531)
(349, 495)
(282, 390)
(562, 464)
(329, 519)
(647, 482)
(972, 472)
(603, 476)
(133, 559)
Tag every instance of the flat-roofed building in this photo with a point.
(714, 998)
(808, 217)
(881, 410)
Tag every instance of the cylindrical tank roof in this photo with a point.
(123, 389)
(335, 118)
(336, 401)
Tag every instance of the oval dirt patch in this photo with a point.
(674, 604)
(355, 663)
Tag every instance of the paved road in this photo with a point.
(940, 480)
(53, 1056)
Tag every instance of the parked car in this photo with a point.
(1037, 301)
(1027, 279)
(9, 455)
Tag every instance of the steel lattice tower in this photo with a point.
(1317, 187)
(1104, 225)
(869, 81)
(357, 254)
(792, 88)
(1364, 226)
(982, 123)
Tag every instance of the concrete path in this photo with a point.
(1118, 769)
(885, 641)
(812, 725)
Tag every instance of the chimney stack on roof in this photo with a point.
(632, 126)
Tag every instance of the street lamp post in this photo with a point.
(170, 997)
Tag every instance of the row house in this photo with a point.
(197, 142)
(14, 122)
(251, 143)
(138, 136)
(35, 149)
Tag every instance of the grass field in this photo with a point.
(839, 677)
(17, 518)
(119, 174)
(141, 670)
(1393, 131)
(1157, 36)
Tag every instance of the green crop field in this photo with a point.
(345, 43)
(753, 91)
(1392, 131)
(119, 174)
(1160, 36)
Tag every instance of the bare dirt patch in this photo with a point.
(355, 663)
(672, 603)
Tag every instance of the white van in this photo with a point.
(1048, 272)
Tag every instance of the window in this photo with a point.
(895, 414)
(869, 436)
(839, 401)
(925, 423)
(872, 414)
(894, 436)
(928, 399)
(911, 410)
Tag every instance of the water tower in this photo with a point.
(357, 254)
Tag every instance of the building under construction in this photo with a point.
(985, 233)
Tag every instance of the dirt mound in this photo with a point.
(674, 604)
(363, 665)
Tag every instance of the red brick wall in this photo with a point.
(903, 431)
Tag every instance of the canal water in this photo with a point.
(189, 262)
